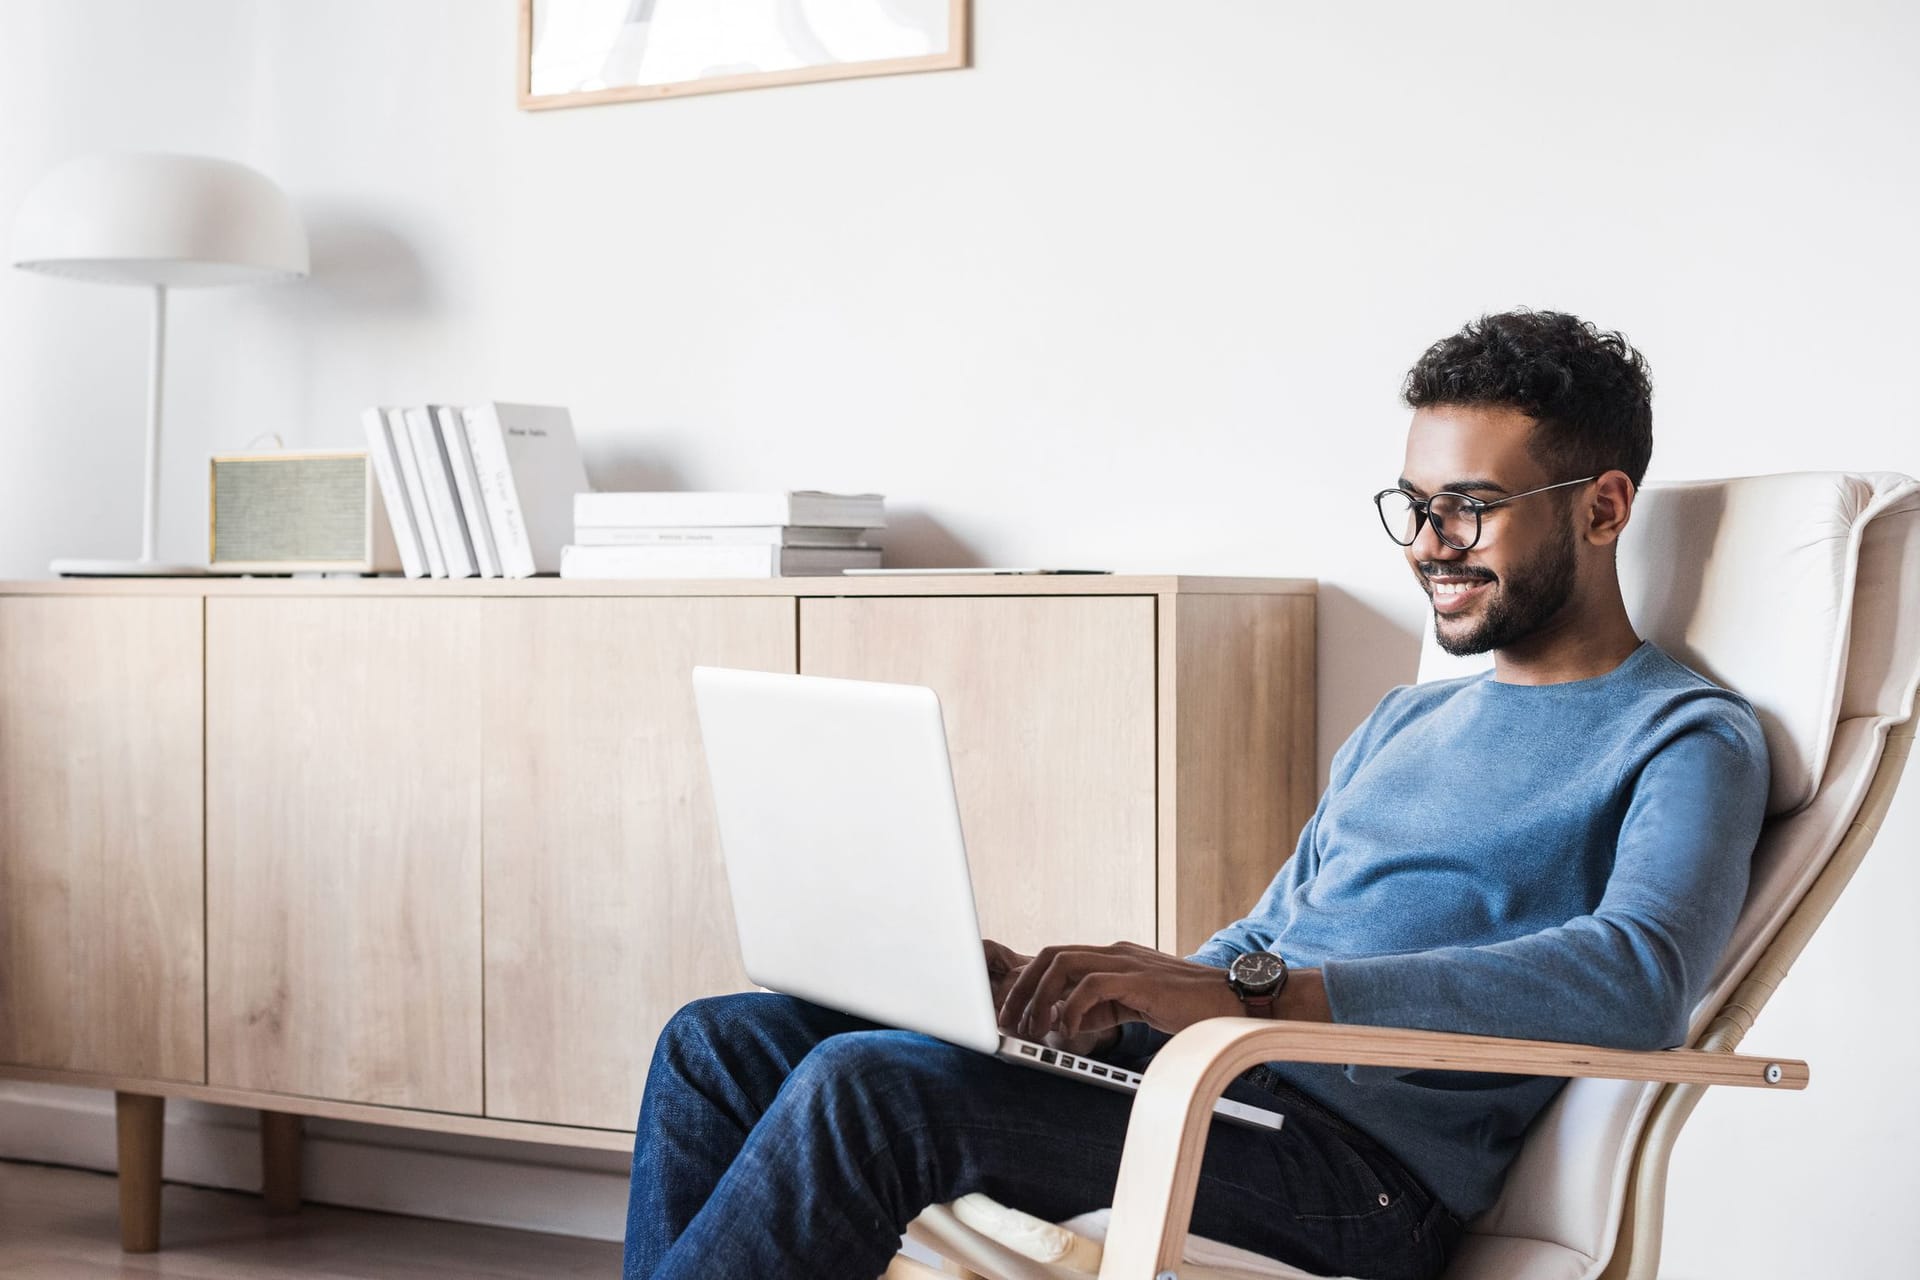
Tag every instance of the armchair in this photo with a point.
(1800, 591)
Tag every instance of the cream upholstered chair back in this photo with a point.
(1802, 593)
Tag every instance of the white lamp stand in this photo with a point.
(162, 222)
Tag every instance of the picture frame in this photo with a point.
(576, 53)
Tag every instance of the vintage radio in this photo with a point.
(317, 511)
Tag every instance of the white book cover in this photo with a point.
(774, 535)
(393, 493)
(529, 469)
(416, 487)
(437, 478)
(798, 507)
(739, 560)
(466, 488)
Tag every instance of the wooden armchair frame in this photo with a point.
(1160, 1167)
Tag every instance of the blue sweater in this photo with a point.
(1550, 862)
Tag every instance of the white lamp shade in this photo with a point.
(148, 218)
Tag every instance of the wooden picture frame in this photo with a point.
(955, 54)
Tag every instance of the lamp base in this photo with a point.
(125, 569)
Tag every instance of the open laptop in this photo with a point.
(843, 849)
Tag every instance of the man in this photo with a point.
(1553, 850)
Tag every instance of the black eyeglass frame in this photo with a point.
(1422, 510)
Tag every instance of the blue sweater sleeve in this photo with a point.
(1626, 975)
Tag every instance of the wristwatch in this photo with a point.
(1258, 977)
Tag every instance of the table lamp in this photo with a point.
(163, 222)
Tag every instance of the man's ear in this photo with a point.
(1609, 508)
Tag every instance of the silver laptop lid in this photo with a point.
(843, 849)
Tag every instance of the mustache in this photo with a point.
(1436, 569)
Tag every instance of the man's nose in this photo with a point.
(1428, 546)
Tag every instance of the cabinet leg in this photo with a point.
(280, 1161)
(140, 1122)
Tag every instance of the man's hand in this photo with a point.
(1077, 998)
(1003, 966)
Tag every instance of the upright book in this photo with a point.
(437, 475)
(452, 428)
(416, 487)
(807, 507)
(393, 493)
(528, 468)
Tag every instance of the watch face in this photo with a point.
(1257, 971)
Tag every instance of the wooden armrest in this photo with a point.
(1160, 1165)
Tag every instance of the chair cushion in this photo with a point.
(984, 1236)
(1771, 620)
(1205, 1259)
(1568, 1185)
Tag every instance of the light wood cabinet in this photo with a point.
(456, 844)
(100, 922)
(1048, 703)
(606, 900)
(343, 849)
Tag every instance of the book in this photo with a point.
(803, 507)
(436, 476)
(409, 461)
(740, 560)
(393, 493)
(775, 535)
(466, 488)
(529, 471)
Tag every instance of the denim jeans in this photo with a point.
(781, 1139)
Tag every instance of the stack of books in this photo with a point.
(722, 535)
(480, 491)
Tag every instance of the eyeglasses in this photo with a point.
(1455, 516)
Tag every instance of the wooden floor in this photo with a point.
(62, 1224)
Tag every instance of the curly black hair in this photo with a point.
(1589, 392)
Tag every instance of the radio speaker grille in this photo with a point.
(274, 509)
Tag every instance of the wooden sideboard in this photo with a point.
(440, 854)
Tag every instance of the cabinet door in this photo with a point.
(1049, 709)
(343, 848)
(606, 900)
(100, 835)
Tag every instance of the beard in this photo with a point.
(1524, 602)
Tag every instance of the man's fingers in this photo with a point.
(1002, 956)
(1027, 1009)
(1098, 1001)
(1058, 974)
(1018, 1009)
(1015, 1001)
(1003, 966)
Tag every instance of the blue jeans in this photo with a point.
(781, 1139)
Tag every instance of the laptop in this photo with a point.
(842, 842)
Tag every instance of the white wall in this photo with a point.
(1135, 291)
